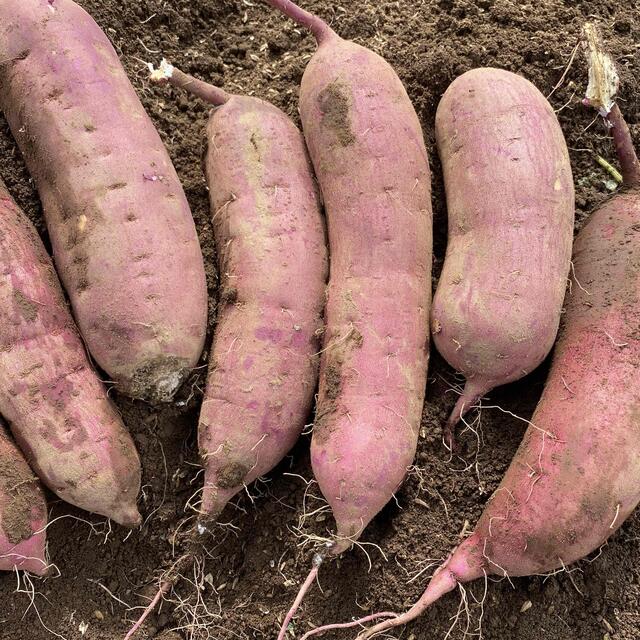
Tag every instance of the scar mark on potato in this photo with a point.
(17, 484)
(334, 101)
(231, 475)
(54, 94)
(28, 309)
(229, 295)
(333, 380)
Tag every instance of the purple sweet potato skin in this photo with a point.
(23, 512)
(368, 152)
(56, 406)
(124, 241)
(510, 201)
(576, 475)
(272, 258)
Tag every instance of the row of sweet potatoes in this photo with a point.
(127, 252)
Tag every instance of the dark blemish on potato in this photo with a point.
(231, 475)
(83, 285)
(72, 239)
(131, 217)
(17, 484)
(254, 144)
(229, 295)
(65, 212)
(54, 94)
(88, 127)
(27, 308)
(333, 380)
(116, 185)
(334, 101)
(356, 337)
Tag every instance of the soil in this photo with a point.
(255, 560)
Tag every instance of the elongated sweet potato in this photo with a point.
(368, 151)
(124, 241)
(576, 476)
(510, 201)
(54, 402)
(273, 268)
(23, 512)
(272, 257)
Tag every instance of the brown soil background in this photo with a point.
(254, 566)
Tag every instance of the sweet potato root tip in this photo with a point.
(157, 380)
(471, 394)
(127, 516)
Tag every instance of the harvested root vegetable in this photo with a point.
(368, 151)
(576, 476)
(57, 408)
(510, 201)
(23, 512)
(123, 238)
(272, 256)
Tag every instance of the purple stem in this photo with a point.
(318, 27)
(203, 90)
(624, 148)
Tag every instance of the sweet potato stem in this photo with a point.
(318, 27)
(624, 148)
(601, 92)
(181, 80)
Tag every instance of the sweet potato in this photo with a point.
(23, 512)
(124, 241)
(272, 257)
(510, 201)
(272, 260)
(368, 151)
(57, 408)
(576, 476)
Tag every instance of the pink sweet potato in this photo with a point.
(576, 476)
(510, 203)
(23, 512)
(368, 151)
(57, 408)
(124, 241)
(272, 260)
